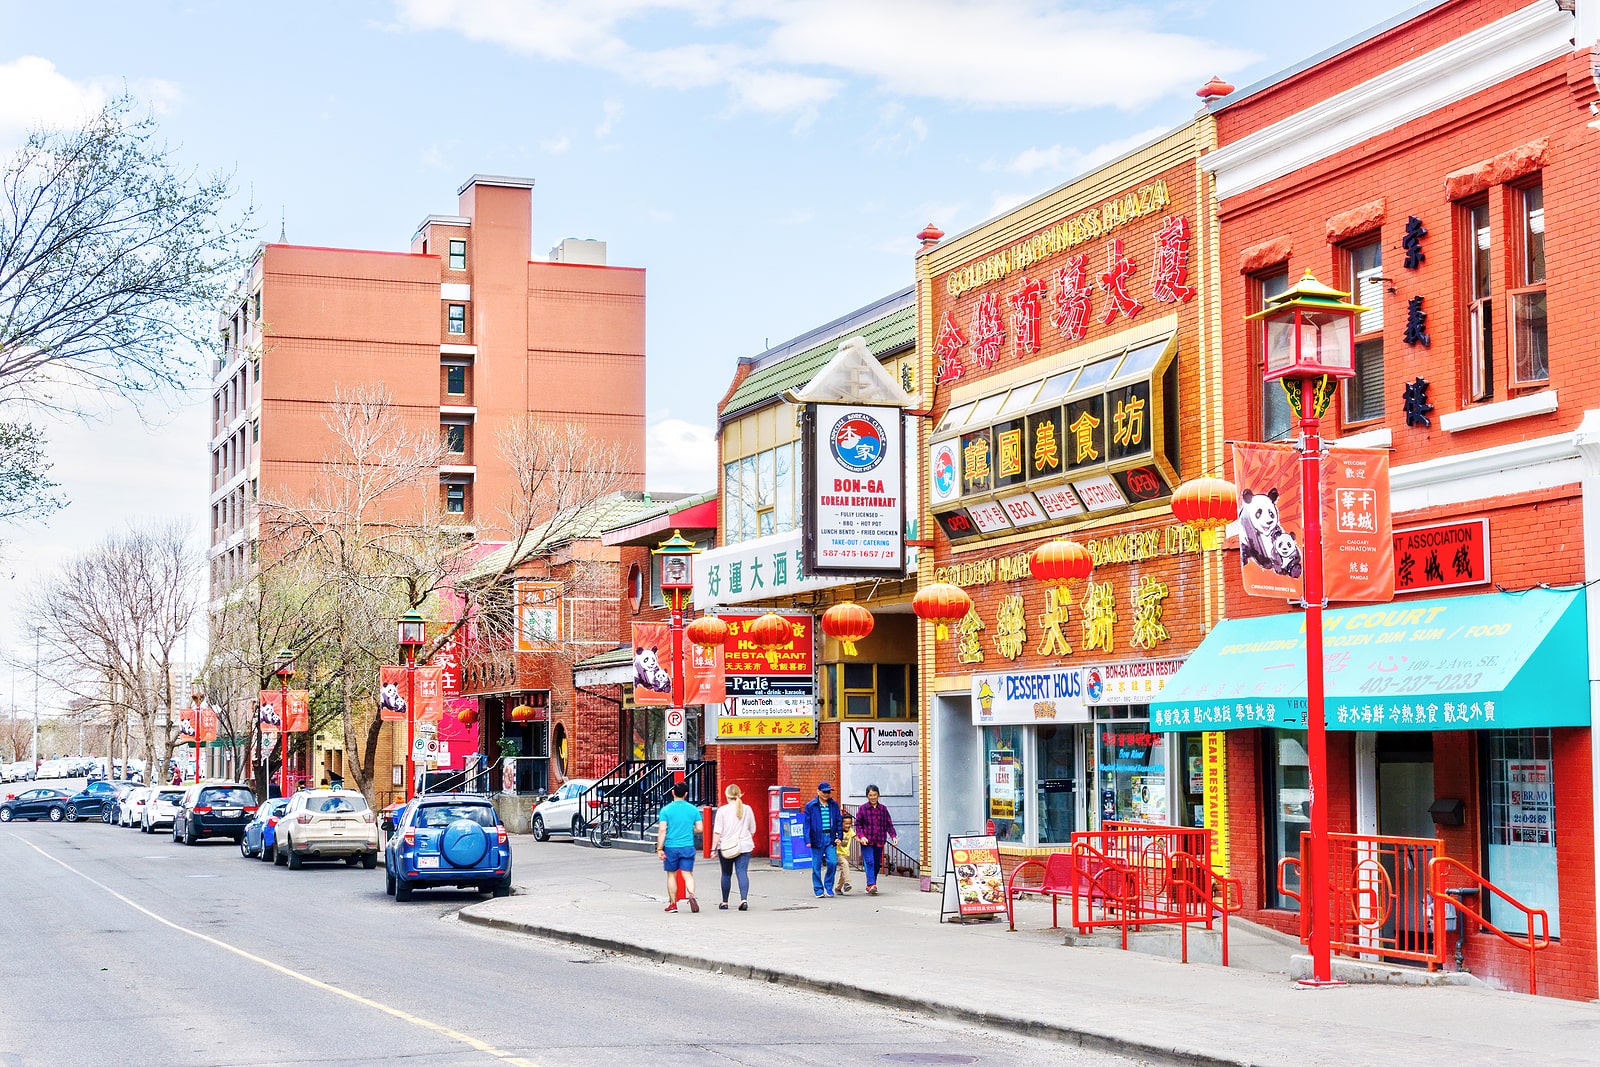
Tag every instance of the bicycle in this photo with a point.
(603, 829)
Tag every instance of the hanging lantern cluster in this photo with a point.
(467, 716)
(707, 631)
(1061, 563)
(941, 603)
(1207, 504)
(848, 623)
(521, 713)
(771, 631)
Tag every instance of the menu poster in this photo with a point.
(973, 883)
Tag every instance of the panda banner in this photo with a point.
(1271, 525)
(652, 663)
(269, 714)
(1357, 532)
(392, 694)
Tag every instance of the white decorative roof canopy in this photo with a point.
(853, 376)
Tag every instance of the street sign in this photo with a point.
(674, 718)
(424, 746)
(677, 747)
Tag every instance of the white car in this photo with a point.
(131, 811)
(560, 814)
(326, 824)
(15, 772)
(160, 805)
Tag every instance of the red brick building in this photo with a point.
(1442, 169)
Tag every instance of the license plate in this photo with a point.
(427, 861)
(228, 813)
(338, 826)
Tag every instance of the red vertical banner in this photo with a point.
(188, 725)
(704, 680)
(1357, 531)
(269, 714)
(1271, 528)
(205, 724)
(297, 716)
(392, 694)
(430, 694)
(652, 663)
(448, 659)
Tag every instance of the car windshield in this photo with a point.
(435, 816)
(336, 804)
(236, 797)
(169, 795)
(275, 807)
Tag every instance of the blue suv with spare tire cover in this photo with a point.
(447, 839)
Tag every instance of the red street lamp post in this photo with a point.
(196, 694)
(675, 563)
(1310, 344)
(285, 671)
(412, 629)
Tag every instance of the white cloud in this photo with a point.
(1033, 159)
(613, 113)
(1001, 202)
(34, 93)
(556, 145)
(1066, 159)
(681, 457)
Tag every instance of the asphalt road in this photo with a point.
(117, 947)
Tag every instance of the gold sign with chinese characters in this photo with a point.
(1096, 622)
(1179, 539)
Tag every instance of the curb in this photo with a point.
(1090, 1040)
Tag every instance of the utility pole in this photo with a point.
(38, 633)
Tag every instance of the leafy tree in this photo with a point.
(25, 491)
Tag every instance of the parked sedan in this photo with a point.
(160, 807)
(259, 832)
(448, 839)
(326, 824)
(36, 804)
(88, 802)
(215, 809)
(131, 810)
(111, 810)
(559, 813)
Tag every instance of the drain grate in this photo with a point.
(796, 907)
(927, 1057)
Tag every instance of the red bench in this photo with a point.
(1053, 878)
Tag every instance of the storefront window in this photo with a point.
(1521, 826)
(1290, 813)
(1058, 796)
(1132, 772)
(1192, 780)
(1003, 781)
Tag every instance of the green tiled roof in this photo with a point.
(894, 329)
(617, 657)
(617, 509)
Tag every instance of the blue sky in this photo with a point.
(767, 161)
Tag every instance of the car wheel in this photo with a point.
(264, 853)
(539, 832)
(501, 889)
(295, 861)
(369, 861)
(388, 883)
(5, 814)
(577, 828)
(72, 813)
(351, 861)
(402, 890)
(56, 814)
(244, 850)
(279, 857)
(189, 836)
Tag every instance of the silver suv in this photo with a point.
(327, 824)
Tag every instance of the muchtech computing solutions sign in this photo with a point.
(855, 474)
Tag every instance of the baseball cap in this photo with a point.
(824, 787)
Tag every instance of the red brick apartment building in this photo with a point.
(465, 331)
(1442, 168)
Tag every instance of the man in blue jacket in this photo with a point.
(824, 826)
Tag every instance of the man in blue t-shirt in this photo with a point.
(824, 827)
(680, 821)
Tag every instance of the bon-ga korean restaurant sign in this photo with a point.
(855, 490)
(1029, 696)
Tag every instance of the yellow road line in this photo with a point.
(405, 1016)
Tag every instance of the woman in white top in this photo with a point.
(733, 838)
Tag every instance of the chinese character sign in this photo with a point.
(652, 663)
(1441, 557)
(703, 680)
(297, 713)
(430, 694)
(1357, 537)
(1271, 535)
(855, 518)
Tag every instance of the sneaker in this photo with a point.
(830, 893)
(846, 887)
(744, 905)
(671, 907)
(694, 905)
(872, 890)
(819, 893)
(723, 906)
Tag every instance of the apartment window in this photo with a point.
(455, 498)
(458, 255)
(1530, 336)
(458, 319)
(455, 437)
(455, 381)
(1480, 302)
(255, 489)
(1277, 419)
(761, 493)
(255, 431)
(875, 691)
(258, 306)
(1363, 394)
(255, 370)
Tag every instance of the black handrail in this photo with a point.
(636, 790)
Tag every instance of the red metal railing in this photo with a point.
(1444, 869)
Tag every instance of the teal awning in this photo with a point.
(1500, 661)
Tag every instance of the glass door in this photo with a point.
(1058, 783)
(1521, 826)
(1004, 774)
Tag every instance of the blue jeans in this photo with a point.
(824, 858)
(872, 859)
(739, 865)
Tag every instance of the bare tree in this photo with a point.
(112, 621)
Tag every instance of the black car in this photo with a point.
(215, 809)
(35, 804)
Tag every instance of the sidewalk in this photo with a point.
(891, 949)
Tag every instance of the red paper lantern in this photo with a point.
(467, 716)
(1060, 563)
(771, 631)
(848, 622)
(941, 603)
(707, 631)
(1207, 504)
(522, 713)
